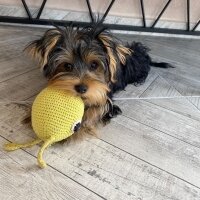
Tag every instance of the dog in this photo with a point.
(92, 63)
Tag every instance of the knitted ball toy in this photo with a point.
(56, 114)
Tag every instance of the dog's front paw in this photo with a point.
(113, 112)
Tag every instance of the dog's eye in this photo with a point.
(68, 67)
(93, 66)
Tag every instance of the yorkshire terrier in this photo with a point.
(93, 64)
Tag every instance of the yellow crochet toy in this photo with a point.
(56, 114)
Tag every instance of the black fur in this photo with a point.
(136, 69)
(78, 41)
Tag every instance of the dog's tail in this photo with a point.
(161, 64)
(141, 52)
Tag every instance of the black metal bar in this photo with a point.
(21, 20)
(107, 11)
(41, 9)
(143, 13)
(90, 10)
(26, 8)
(161, 13)
(188, 15)
(197, 24)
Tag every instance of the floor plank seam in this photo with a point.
(27, 99)
(187, 97)
(152, 165)
(160, 131)
(149, 85)
(152, 98)
(173, 62)
(16, 39)
(196, 96)
(173, 111)
(182, 76)
(193, 103)
(19, 75)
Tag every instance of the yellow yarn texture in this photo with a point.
(55, 114)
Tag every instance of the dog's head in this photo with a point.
(84, 61)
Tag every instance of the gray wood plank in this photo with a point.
(176, 50)
(155, 147)
(18, 180)
(13, 43)
(179, 43)
(14, 27)
(181, 106)
(13, 49)
(160, 88)
(23, 86)
(135, 91)
(184, 85)
(191, 71)
(167, 121)
(174, 101)
(195, 101)
(21, 37)
(101, 167)
(16, 66)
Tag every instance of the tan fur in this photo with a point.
(49, 42)
(112, 61)
(65, 84)
(90, 123)
(122, 52)
(97, 91)
(95, 100)
(96, 94)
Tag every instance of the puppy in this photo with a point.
(93, 64)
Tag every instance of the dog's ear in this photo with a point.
(40, 49)
(116, 52)
(122, 52)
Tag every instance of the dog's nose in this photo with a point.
(81, 88)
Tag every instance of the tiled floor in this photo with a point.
(150, 152)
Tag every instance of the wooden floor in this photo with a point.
(150, 152)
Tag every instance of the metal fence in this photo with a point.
(144, 28)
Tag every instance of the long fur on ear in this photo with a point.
(122, 52)
(106, 40)
(115, 52)
(40, 49)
